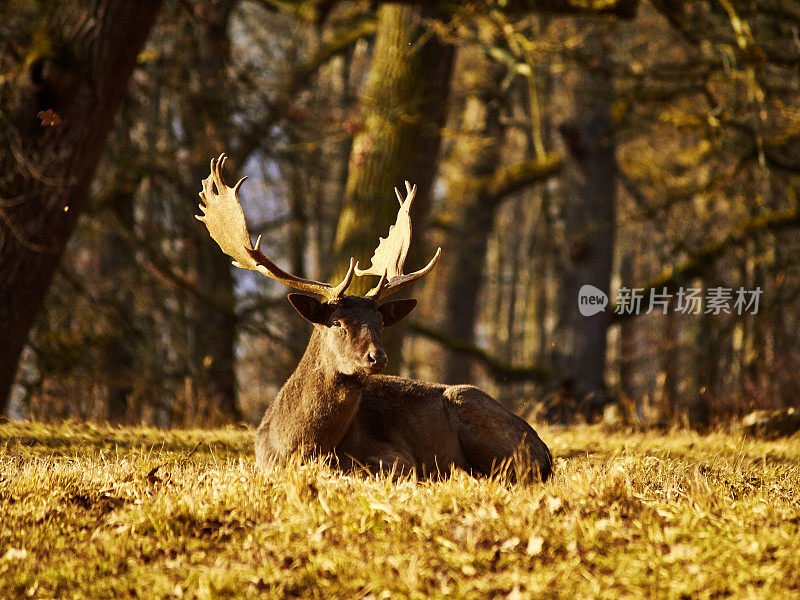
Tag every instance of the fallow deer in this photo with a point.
(336, 403)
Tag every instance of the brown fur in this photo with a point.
(336, 404)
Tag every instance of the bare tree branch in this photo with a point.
(512, 178)
(317, 10)
(497, 369)
(298, 80)
(699, 262)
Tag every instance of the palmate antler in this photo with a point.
(224, 218)
(390, 255)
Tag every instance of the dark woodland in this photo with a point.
(649, 149)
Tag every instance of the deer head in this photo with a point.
(349, 327)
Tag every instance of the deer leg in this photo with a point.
(493, 439)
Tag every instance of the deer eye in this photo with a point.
(337, 324)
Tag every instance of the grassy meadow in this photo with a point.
(96, 512)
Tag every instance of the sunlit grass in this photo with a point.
(84, 512)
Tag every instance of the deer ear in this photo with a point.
(395, 311)
(309, 308)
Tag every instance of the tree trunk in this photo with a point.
(206, 117)
(589, 221)
(45, 178)
(116, 255)
(451, 292)
(626, 346)
(404, 108)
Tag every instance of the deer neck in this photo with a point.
(316, 406)
(317, 368)
(318, 399)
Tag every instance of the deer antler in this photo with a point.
(224, 218)
(390, 255)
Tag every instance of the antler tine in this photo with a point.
(378, 289)
(223, 158)
(395, 284)
(224, 218)
(345, 283)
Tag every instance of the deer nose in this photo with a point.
(376, 359)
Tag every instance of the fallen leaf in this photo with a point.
(49, 117)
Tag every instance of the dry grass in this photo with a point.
(84, 514)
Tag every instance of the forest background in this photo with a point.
(619, 144)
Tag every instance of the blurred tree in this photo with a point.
(589, 213)
(403, 109)
(467, 217)
(700, 101)
(152, 360)
(708, 114)
(206, 107)
(476, 184)
(69, 69)
(116, 253)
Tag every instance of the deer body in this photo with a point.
(430, 429)
(377, 422)
(336, 403)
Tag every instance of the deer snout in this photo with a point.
(376, 359)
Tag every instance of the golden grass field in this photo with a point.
(96, 512)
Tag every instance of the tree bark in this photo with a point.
(47, 170)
